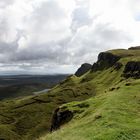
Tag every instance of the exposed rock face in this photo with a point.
(105, 60)
(83, 69)
(60, 117)
(132, 69)
(134, 48)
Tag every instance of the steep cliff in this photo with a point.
(105, 60)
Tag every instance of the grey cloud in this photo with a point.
(7, 47)
(98, 39)
(49, 43)
(80, 16)
(49, 51)
(3, 27)
(5, 3)
(47, 14)
(109, 34)
(49, 10)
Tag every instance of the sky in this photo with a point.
(57, 36)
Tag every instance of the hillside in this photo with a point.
(114, 113)
(102, 104)
(30, 117)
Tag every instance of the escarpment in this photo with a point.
(105, 60)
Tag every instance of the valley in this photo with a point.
(24, 85)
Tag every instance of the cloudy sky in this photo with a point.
(57, 36)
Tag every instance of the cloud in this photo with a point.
(90, 40)
(52, 36)
(80, 16)
(5, 3)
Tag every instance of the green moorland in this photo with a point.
(113, 114)
(105, 106)
(29, 117)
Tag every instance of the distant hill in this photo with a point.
(102, 104)
(23, 85)
(135, 48)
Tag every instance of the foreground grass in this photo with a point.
(114, 115)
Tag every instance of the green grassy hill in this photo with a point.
(103, 104)
(29, 117)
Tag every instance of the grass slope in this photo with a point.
(113, 114)
(29, 117)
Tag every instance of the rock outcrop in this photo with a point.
(83, 69)
(60, 117)
(132, 69)
(105, 60)
(134, 48)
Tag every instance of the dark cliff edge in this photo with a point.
(83, 69)
(105, 60)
